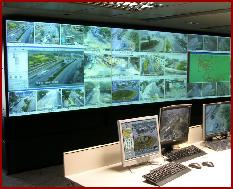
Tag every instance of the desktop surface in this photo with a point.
(116, 175)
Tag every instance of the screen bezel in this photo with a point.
(140, 159)
(179, 140)
(210, 136)
(98, 24)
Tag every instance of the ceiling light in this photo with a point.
(131, 6)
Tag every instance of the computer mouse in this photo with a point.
(195, 165)
(208, 164)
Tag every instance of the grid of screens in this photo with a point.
(60, 67)
(139, 138)
(216, 119)
(174, 123)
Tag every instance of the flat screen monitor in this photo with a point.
(139, 139)
(174, 124)
(55, 67)
(216, 119)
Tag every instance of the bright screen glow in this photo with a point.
(60, 67)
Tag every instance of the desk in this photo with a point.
(114, 175)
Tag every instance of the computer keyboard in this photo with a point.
(184, 154)
(218, 145)
(166, 173)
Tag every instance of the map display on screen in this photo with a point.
(54, 67)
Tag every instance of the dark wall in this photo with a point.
(39, 140)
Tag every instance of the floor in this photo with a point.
(50, 176)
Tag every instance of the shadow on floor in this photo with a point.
(50, 176)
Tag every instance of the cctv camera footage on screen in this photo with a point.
(60, 67)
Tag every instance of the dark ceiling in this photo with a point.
(208, 17)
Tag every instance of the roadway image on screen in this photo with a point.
(209, 67)
(223, 88)
(209, 89)
(152, 65)
(224, 43)
(151, 41)
(47, 33)
(210, 43)
(145, 137)
(175, 42)
(174, 124)
(20, 32)
(195, 42)
(152, 89)
(175, 88)
(125, 66)
(97, 65)
(125, 40)
(125, 91)
(21, 102)
(175, 64)
(97, 38)
(217, 118)
(52, 68)
(73, 97)
(194, 90)
(98, 92)
(72, 35)
(48, 99)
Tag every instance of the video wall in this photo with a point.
(60, 67)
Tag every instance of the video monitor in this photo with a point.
(82, 66)
(139, 139)
(216, 119)
(174, 124)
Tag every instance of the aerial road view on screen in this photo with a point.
(48, 99)
(20, 32)
(51, 68)
(47, 33)
(72, 35)
(23, 101)
(73, 97)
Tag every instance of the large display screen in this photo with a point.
(60, 67)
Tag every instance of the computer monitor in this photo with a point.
(216, 119)
(139, 139)
(174, 124)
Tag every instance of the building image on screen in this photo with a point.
(94, 67)
(174, 123)
(139, 137)
(217, 119)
